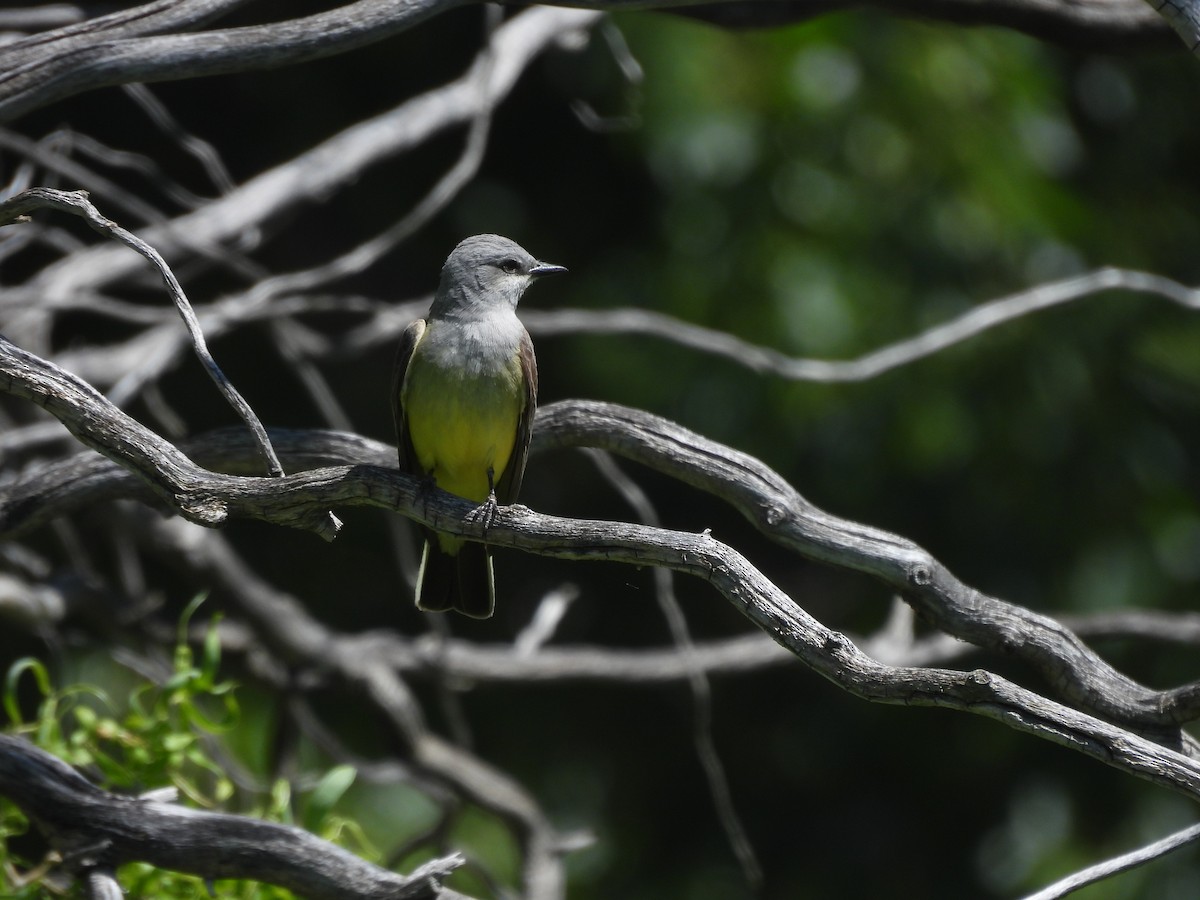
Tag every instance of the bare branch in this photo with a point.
(1117, 25)
(386, 324)
(31, 18)
(1115, 866)
(133, 46)
(826, 652)
(766, 360)
(83, 480)
(779, 511)
(754, 489)
(209, 498)
(702, 716)
(92, 827)
(76, 202)
(313, 175)
(103, 427)
(52, 66)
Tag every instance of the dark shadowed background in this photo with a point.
(822, 189)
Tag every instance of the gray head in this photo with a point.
(486, 270)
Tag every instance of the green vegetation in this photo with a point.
(162, 735)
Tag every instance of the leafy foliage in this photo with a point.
(162, 735)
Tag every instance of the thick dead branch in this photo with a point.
(138, 46)
(52, 66)
(826, 652)
(209, 498)
(86, 479)
(780, 512)
(91, 828)
(100, 425)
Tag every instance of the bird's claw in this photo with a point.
(485, 512)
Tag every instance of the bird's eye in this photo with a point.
(511, 266)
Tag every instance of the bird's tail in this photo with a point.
(461, 580)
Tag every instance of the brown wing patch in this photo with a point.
(510, 482)
(404, 446)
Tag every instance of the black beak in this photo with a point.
(542, 268)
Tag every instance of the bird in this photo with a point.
(464, 391)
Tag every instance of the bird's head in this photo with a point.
(487, 269)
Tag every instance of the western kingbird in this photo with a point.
(463, 394)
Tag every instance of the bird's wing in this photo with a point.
(510, 481)
(404, 446)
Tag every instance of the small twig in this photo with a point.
(769, 361)
(201, 150)
(702, 717)
(1123, 863)
(287, 341)
(545, 620)
(76, 202)
(52, 155)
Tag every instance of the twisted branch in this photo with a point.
(138, 45)
(94, 829)
(210, 498)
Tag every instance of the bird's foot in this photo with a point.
(485, 512)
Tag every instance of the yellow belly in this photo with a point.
(461, 430)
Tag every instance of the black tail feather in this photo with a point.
(436, 582)
(461, 581)
(476, 585)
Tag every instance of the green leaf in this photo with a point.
(326, 794)
(15, 671)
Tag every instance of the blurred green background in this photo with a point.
(820, 189)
